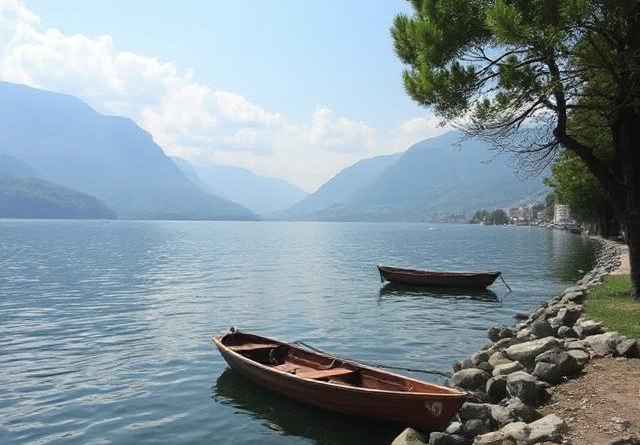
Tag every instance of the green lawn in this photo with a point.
(611, 304)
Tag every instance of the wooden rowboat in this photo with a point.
(339, 385)
(469, 280)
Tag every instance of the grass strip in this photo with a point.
(612, 304)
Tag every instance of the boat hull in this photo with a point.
(426, 412)
(466, 280)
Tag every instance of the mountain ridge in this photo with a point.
(109, 157)
(24, 195)
(264, 195)
(433, 179)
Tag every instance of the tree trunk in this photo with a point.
(626, 140)
(632, 235)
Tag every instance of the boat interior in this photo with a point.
(315, 366)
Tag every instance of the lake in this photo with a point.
(106, 325)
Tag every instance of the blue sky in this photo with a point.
(319, 74)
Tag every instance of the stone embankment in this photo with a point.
(510, 377)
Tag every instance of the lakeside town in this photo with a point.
(555, 216)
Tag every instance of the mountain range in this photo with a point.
(438, 179)
(108, 157)
(24, 195)
(262, 194)
(60, 155)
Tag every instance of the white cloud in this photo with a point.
(187, 118)
(416, 129)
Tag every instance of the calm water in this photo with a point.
(105, 326)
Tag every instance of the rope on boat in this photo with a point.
(376, 365)
(505, 283)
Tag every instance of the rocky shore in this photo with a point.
(509, 378)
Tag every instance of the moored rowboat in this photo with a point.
(470, 280)
(339, 385)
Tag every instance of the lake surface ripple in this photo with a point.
(106, 325)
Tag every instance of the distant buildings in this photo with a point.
(542, 215)
(562, 215)
(520, 215)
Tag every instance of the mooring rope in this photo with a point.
(505, 283)
(375, 365)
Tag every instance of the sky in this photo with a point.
(286, 88)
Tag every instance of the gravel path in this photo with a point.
(602, 405)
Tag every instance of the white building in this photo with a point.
(561, 215)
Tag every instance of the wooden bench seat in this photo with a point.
(316, 374)
(253, 347)
(288, 367)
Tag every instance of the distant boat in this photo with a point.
(468, 280)
(339, 385)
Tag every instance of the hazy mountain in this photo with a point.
(261, 194)
(14, 166)
(437, 177)
(109, 157)
(22, 195)
(187, 169)
(342, 187)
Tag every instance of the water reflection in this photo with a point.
(395, 289)
(573, 261)
(290, 418)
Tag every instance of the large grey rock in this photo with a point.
(627, 348)
(493, 438)
(485, 367)
(581, 356)
(551, 311)
(576, 344)
(554, 364)
(525, 335)
(526, 387)
(481, 411)
(496, 388)
(410, 437)
(497, 333)
(527, 352)
(566, 332)
(471, 379)
(437, 438)
(507, 368)
(454, 428)
(573, 297)
(502, 415)
(549, 428)
(475, 427)
(585, 328)
(577, 289)
(498, 358)
(522, 411)
(548, 372)
(463, 364)
(568, 316)
(541, 328)
(518, 431)
(604, 344)
(479, 357)
(505, 343)
(567, 363)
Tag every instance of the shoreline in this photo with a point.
(511, 377)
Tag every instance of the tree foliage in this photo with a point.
(496, 217)
(536, 77)
(576, 186)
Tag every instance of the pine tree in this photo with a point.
(517, 72)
